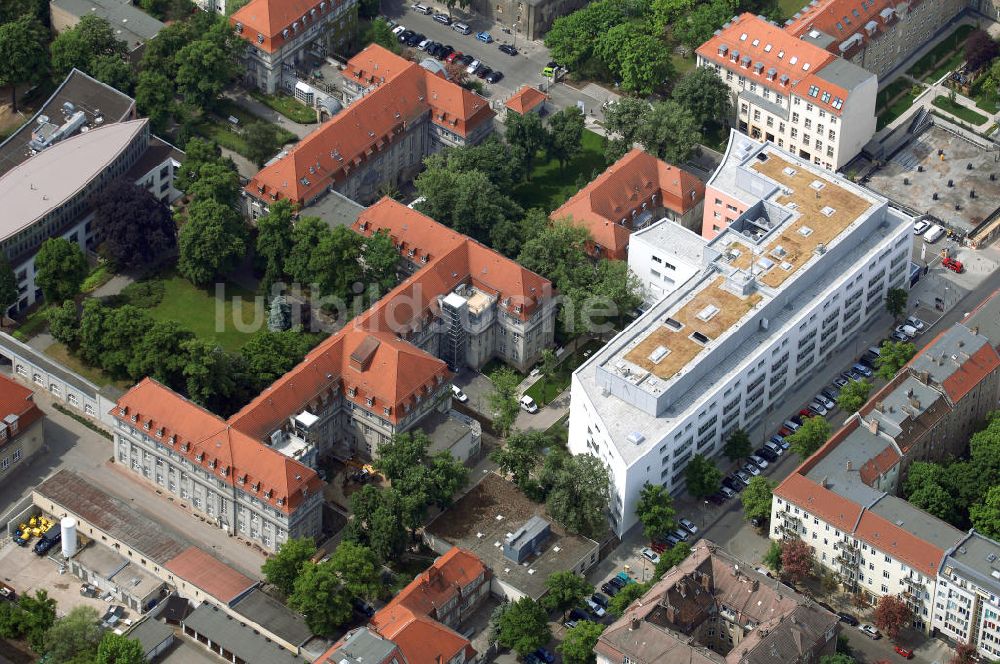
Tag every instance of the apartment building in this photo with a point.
(878, 35)
(966, 605)
(786, 284)
(382, 374)
(399, 113)
(131, 25)
(529, 19)
(714, 608)
(48, 195)
(664, 256)
(793, 93)
(22, 427)
(285, 36)
(842, 501)
(629, 195)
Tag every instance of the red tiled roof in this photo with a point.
(526, 99)
(879, 465)
(440, 582)
(625, 187)
(841, 19)
(211, 444)
(899, 543)
(774, 49)
(403, 91)
(973, 370)
(836, 510)
(210, 575)
(270, 18)
(16, 399)
(420, 638)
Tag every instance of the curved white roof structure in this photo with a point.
(53, 176)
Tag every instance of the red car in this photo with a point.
(907, 654)
(805, 412)
(453, 56)
(784, 432)
(953, 265)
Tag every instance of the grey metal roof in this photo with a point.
(986, 317)
(853, 452)
(977, 558)
(917, 522)
(237, 638)
(150, 633)
(335, 209)
(274, 616)
(131, 25)
(947, 353)
(362, 647)
(845, 74)
(78, 496)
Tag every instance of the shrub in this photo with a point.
(144, 294)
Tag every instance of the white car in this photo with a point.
(920, 227)
(908, 330)
(423, 45)
(774, 447)
(596, 608)
(473, 66)
(688, 525)
(760, 462)
(727, 492)
(870, 630)
(933, 234)
(650, 555)
(915, 323)
(399, 29)
(829, 404)
(528, 404)
(752, 469)
(458, 394)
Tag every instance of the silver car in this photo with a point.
(760, 462)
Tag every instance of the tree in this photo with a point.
(503, 399)
(263, 141)
(211, 242)
(64, 323)
(134, 228)
(852, 396)
(499, 161)
(578, 498)
(796, 560)
(378, 521)
(895, 302)
(837, 658)
(75, 635)
(23, 55)
(618, 286)
(705, 95)
(527, 133)
(279, 315)
(379, 260)
(320, 596)
(810, 436)
(270, 355)
(275, 239)
(893, 356)
(669, 132)
(620, 602)
(773, 556)
(523, 627)
(756, 498)
(520, 454)
(671, 558)
(578, 643)
(549, 364)
(565, 590)
(655, 509)
(980, 49)
(154, 97)
(215, 181)
(667, 12)
(510, 235)
(640, 61)
(304, 263)
(466, 201)
(926, 487)
(571, 39)
(8, 285)
(119, 649)
(38, 614)
(112, 70)
(703, 477)
(737, 445)
(622, 119)
(698, 25)
(379, 32)
(556, 252)
(80, 46)
(565, 132)
(211, 376)
(160, 354)
(965, 653)
(60, 268)
(891, 615)
(204, 67)
(985, 516)
(282, 568)
(358, 568)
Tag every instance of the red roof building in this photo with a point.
(403, 113)
(528, 99)
(22, 432)
(635, 191)
(197, 570)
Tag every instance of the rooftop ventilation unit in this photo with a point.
(636, 438)
(658, 354)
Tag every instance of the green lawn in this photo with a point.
(34, 323)
(546, 389)
(986, 101)
(900, 106)
(287, 106)
(789, 7)
(684, 66)
(197, 309)
(954, 41)
(549, 187)
(890, 92)
(959, 111)
(218, 128)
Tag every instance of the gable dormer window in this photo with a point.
(147, 424)
(370, 401)
(352, 392)
(135, 417)
(200, 457)
(123, 411)
(386, 411)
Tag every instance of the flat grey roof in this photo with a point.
(230, 634)
(81, 498)
(117, 569)
(131, 25)
(274, 616)
(86, 94)
(472, 524)
(986, 317)
(41, 360)
(335, 209)
(669, 237)
(845, 74)
(361, 647)
(150, 633)
(917, 522)
(444, 429)
(977, 557)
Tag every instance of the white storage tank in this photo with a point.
(68, 526)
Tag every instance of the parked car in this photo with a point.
(751, 470)
(49, 539)
(87, 590)
(545, 655)
(112, 615)
(774, 448)
(528, 404)
(484, 72)
(758, 461)
(596, 608)
(484, 37)
(779, 441)
(399, 29)
(847, 618)
(830, 392)
(733, 483)
(681, 534)
(445, 52)
(672, 539)
(870, 631)
(453, 56)
(818, 408)
(853, 374)
(688, 525)
(862, 369)
(905, 653)
(767, 454)
(609, 589)
(921, 226)
(908, 330)
(473, 67)
(792, 424)
(404, 35)
(897, 335)
(458, 394)
(422, 9)
(7, 592)
(508, 49)
(650, 555)
(717, 498)
(827, 402)
(840, 381)
(465, 60)
(416, 39)
(744, 476)
(916, 323)
(494, 76)
(362, 607)
(578, 614)
(933, 234)
(442, 18)
(570, 624)
(785, 431)
(600, 600)
(727, 491)
(953, 265)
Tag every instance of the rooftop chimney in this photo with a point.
(362, 356)
(850, 466)
(915, 403)
(634, 624)
(873, 426)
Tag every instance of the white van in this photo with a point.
(422, 9)
(461, 27)
(933, 234)
(528, 404)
